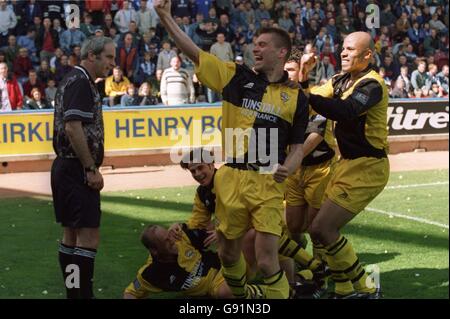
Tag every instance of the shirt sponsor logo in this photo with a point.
(249, 85)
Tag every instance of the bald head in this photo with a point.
(363, 39)
(357, 52)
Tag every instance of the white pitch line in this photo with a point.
(416, 185)
(417, 219)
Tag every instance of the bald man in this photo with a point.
(357, 100)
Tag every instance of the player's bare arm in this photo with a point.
(182, 40)
(311, 142)
(292, 163)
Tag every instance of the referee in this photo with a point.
(76, 182)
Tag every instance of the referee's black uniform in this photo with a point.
(76, 204)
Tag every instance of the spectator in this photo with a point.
(442, 78)
(176, 85)
(47, 40)
(207, 32)
(3, 60)
(22, 65)
(392, 71)
(145, 96)
(399, 91)
(130, 98)
(55, 61)
(404, 76)
(96, 8)
(147, 68)
(261, 13)
(50, 92)
(146, 18)
(387, 80)
(222, 49)
(203, 6)
(107, 24)
(321, 39)
(402, 25)
(87, 27)
(437, 24)
(238, 17)
(12, 50)
(164, 58)
(326, 69)
(387, 18)
(116, 86)
(432, 75)
(57, 27)
(62, 68)
(419, 78)
(431, 43)
(8, 22)
(28, 41)
(124, 16)
(11, 95)
(69, 38)
(225, 28)
(113, 6)
(128, 57)
(285, 21)
(33, 82)
(418, 94)
(31, 10)
(436, 91)
(416, 35)
(410, 54)
(36, 102)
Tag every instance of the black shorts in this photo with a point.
(76, 204)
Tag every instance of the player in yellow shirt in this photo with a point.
(261, 118)
(357, 100)
(202, 217)
(305, 189)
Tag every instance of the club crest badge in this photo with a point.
(284, 97)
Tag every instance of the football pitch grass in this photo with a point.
(404, 232)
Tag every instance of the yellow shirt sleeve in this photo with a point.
(200, 217)
(325, 90)
(140, 288)
(214, 73)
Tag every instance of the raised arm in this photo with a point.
(182, 40)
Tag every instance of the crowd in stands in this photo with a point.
(37, 50)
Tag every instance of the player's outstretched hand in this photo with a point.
(280, 174)
(175, 233)
(162, 7)
(307, 62)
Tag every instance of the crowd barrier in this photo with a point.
(146, 132)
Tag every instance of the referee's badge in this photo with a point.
(284, 97)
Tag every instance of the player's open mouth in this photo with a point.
(258, 58)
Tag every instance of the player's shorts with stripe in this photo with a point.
(76, 204)
(356, 182)
(308, 184)
(247, 199)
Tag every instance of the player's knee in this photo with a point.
(228, 257)
(317, 231)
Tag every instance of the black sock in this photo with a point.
(65, 256)
(84, 258)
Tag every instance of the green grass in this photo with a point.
(413, 257)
